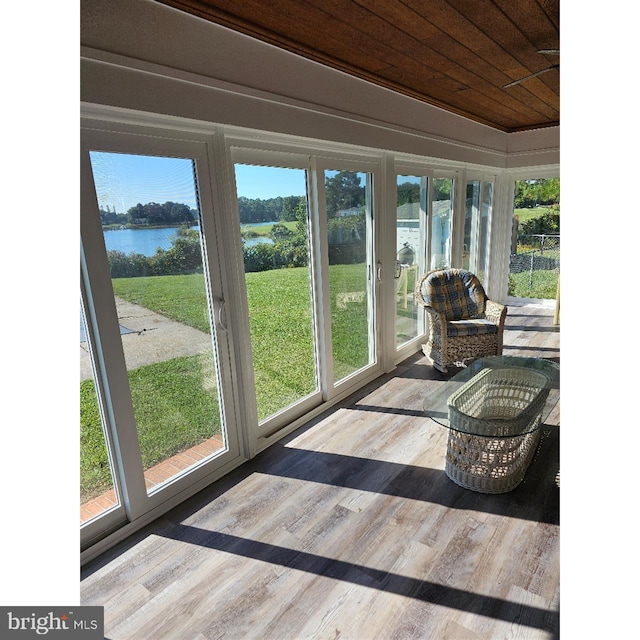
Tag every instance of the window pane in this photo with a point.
(471, 222)
(410, 254)
(476, 227)
(441, 223)
(485, 221)
(534, 266)
(348, 203)
(97, 492)
(151, 225)
(272, 204)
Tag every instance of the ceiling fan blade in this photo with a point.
(533, 75)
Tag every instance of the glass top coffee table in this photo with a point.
(494, 409)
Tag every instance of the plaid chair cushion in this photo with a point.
(461, 328)
(455, 292)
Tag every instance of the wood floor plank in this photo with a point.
(349, 529)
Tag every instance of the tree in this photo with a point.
(111, 217)
(442, 189)
(531, 193)
(343, 191)
(290, 206)
(135, 215)
(408, 192)
(280, 231)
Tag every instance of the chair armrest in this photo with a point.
(418, 291)
(495, 312)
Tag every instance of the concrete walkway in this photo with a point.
(151, 338)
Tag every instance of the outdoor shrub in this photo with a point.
(280, 231)
(259, 257)
(128, 265)
(183, 257)
(547, 223)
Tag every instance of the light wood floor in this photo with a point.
(349, 529)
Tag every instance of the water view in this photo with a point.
(144, 241)
(147, 241)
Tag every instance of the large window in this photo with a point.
(477, 226)
(273, 215)
(158, 329)
(441, 222)
(151, 225)
(534, 264)
(349, 242)
(410, 262)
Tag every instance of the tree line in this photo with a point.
(153, 214)
(531, 193)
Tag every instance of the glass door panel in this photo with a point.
(442, 216)
(482, 258)
(411, 242)
(273, 210)
(349, 238)
(534, 265)
(151, 224)
(471, 223)
(476, 227)
(98, 494)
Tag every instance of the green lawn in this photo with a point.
(175, 405)
(175, 402)
(532, 212)
(265, 230)
(543, 284)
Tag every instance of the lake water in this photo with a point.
(146, 241)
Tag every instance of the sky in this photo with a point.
(124, 180)
(269, 182)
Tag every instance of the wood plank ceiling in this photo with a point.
(454, 54)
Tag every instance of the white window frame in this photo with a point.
(423, 253)
(139, 505)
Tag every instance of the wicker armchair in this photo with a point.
(464, 323)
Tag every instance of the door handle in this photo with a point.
(219, 305)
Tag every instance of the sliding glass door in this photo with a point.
(442, 222)
(273, 211)
(412, 192)
(477, 226)
(159, 338)
(350, 274)
(308, 286)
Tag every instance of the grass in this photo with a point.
(175, 405)
(524, 215)
(265, 230)
(175, 402)
(159, 293)
(544, 284)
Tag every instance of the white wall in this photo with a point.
(144, 56)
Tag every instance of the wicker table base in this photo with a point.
(489, 465)
(494, 420)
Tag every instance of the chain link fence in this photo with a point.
(534, 266)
